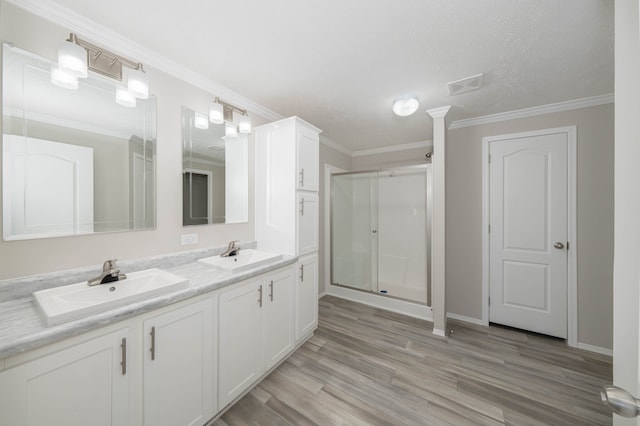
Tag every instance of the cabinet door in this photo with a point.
(307, 296)
(240, 351)
(86, 384)
(307, 223)
(307, 159)
(178, 366)
(278, 316)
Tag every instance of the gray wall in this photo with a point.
(595, 215)
(20, 258)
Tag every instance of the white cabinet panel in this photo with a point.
(178, 366)
(307, 148)
(306, 296)
(307, 223)
(83, 385)
(240, 339)
(278, 317)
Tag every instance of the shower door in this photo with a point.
(380, 232)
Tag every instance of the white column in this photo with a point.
(438, 303)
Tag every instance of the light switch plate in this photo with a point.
(189, 239)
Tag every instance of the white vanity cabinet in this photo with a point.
(84, 384)
(255, 331)
(179, 373)
(306, 296)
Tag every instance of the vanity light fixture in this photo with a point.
(221, 111)
(76, 56)
(201, 121)
(406, 105)
(216, 113)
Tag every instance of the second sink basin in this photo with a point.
(245, 259)
(69, 302)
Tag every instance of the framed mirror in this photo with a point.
(74, 161)
(215, 175)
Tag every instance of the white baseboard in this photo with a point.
(399, 306)
(596, 349)
(322, 294)
(466, 319)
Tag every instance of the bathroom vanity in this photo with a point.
(175, 359)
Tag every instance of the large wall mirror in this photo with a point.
(74, 160)
(215, 179)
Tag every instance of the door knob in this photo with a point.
(620, 401)
(558, 245)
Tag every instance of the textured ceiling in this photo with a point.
(340, 63)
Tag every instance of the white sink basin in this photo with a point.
(245, 259)
(69, 302)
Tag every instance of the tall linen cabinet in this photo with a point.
(286, 216)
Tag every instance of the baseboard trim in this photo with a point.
(439, 332)
(466, 319)
(322, 294)
(399, 306)
(596, 349)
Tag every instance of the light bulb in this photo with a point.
(216, 113)
(138, 84)
(72, 59)
(244, 124)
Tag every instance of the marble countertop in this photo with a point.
(22, 328)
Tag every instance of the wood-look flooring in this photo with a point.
(366, 366)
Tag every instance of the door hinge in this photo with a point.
(489, 228)
(567, 245)
(489, 301)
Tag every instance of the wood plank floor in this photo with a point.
(365, 366)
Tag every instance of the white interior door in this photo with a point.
(528, 204)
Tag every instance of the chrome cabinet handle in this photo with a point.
(271, 290)
(153, 343)
(123, 349)
(301, 177)
(260, 296)
(558, 245)
(302, 207)
(301, 273)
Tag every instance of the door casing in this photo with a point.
(572, 264)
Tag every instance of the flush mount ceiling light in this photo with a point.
(221, 111)
(76, 56)
(405, 105)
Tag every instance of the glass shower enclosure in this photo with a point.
(380, 232)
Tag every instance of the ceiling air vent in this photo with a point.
(465, 85)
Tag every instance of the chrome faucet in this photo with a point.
(232, 249)
(110, 273)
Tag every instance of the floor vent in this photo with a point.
(465, 85)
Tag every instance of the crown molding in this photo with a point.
(439, 112)
(337, 147)
(392, 148)
(531, 112)
(102, 36)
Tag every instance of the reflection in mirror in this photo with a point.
(74, 161)
(215, 181)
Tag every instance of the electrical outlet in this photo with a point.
(189, 239)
